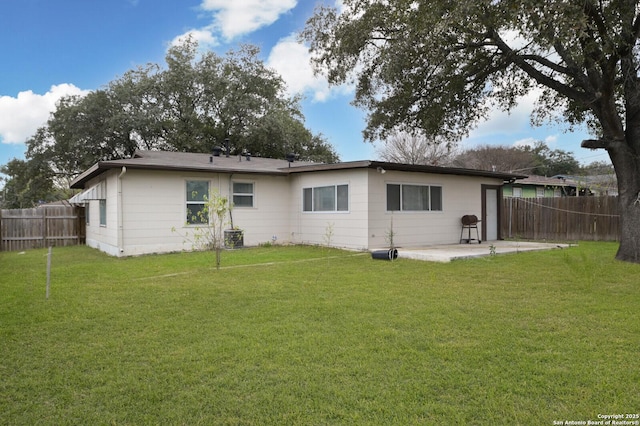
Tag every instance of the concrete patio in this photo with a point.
(449, 252)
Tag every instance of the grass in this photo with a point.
(304, 335)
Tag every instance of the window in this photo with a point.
(539, 192)
(103, 212)
(436, 198)
(401, 197)
(87, 214)
(242, 194)
(517, 192)
(326, 199)
(197, 195)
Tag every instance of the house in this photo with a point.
(540, 186)
(133, 204)
(601, 185)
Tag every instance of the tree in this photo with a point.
(407, 148)
(28, 183)
(597, 168)
(552, 162)
(439, 65)
(212, 220)
(194, 104)
(497, 158)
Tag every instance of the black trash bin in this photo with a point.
(390, 254)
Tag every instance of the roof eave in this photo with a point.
(102, 166)
(419, 168)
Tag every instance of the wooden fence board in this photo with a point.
(561, 218)
(40, 227)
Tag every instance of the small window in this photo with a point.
(87, 215)
(326, 199)
(517, 192)
(197, 196)
(557, 192)
(307, 195)
(401, 197)
(539, 192)
(342, 196)
(436, 198)
(393, 197)
(242, 194)
(103, 212)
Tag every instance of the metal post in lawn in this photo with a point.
(48, 272)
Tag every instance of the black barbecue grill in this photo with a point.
(469, 222)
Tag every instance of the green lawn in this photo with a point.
(304, 335)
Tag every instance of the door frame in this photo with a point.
(498, 189)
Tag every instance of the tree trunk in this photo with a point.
(629, 208)
(626, 161)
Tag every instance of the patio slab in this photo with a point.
(449, 252)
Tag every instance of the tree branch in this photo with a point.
(600, 143)
(594, 144)
(518, 60)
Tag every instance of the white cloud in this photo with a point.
(21, 116)
(550, 141)
(204, 37)
(235, 18)
(292, 61)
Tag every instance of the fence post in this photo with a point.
(44, 227)
(48, 272)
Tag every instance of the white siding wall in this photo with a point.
(349, 228)
(270, 215)
(104, 238)
(155, 204)
(460, 195)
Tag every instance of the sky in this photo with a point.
(49, 49)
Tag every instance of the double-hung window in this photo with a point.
(405, 197)
(197, 196)
(332, 198)
(243, 194)
(103, 212)
(517, 192)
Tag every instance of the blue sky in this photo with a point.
(49, 49)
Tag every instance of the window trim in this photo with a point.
(103, 211)
(188, 202)
(401, 208)
(335, 198)
(516, 192)
(243, 194)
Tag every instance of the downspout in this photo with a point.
(230, 198)
(121, 212)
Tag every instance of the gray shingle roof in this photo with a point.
(186, 161)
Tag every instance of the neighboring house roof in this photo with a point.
(545, 181)
(601, 184)
(184, 161)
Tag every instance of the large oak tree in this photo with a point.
(439, 65)
(197, 101)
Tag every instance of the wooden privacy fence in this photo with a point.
(40, 227)
(561, 218)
